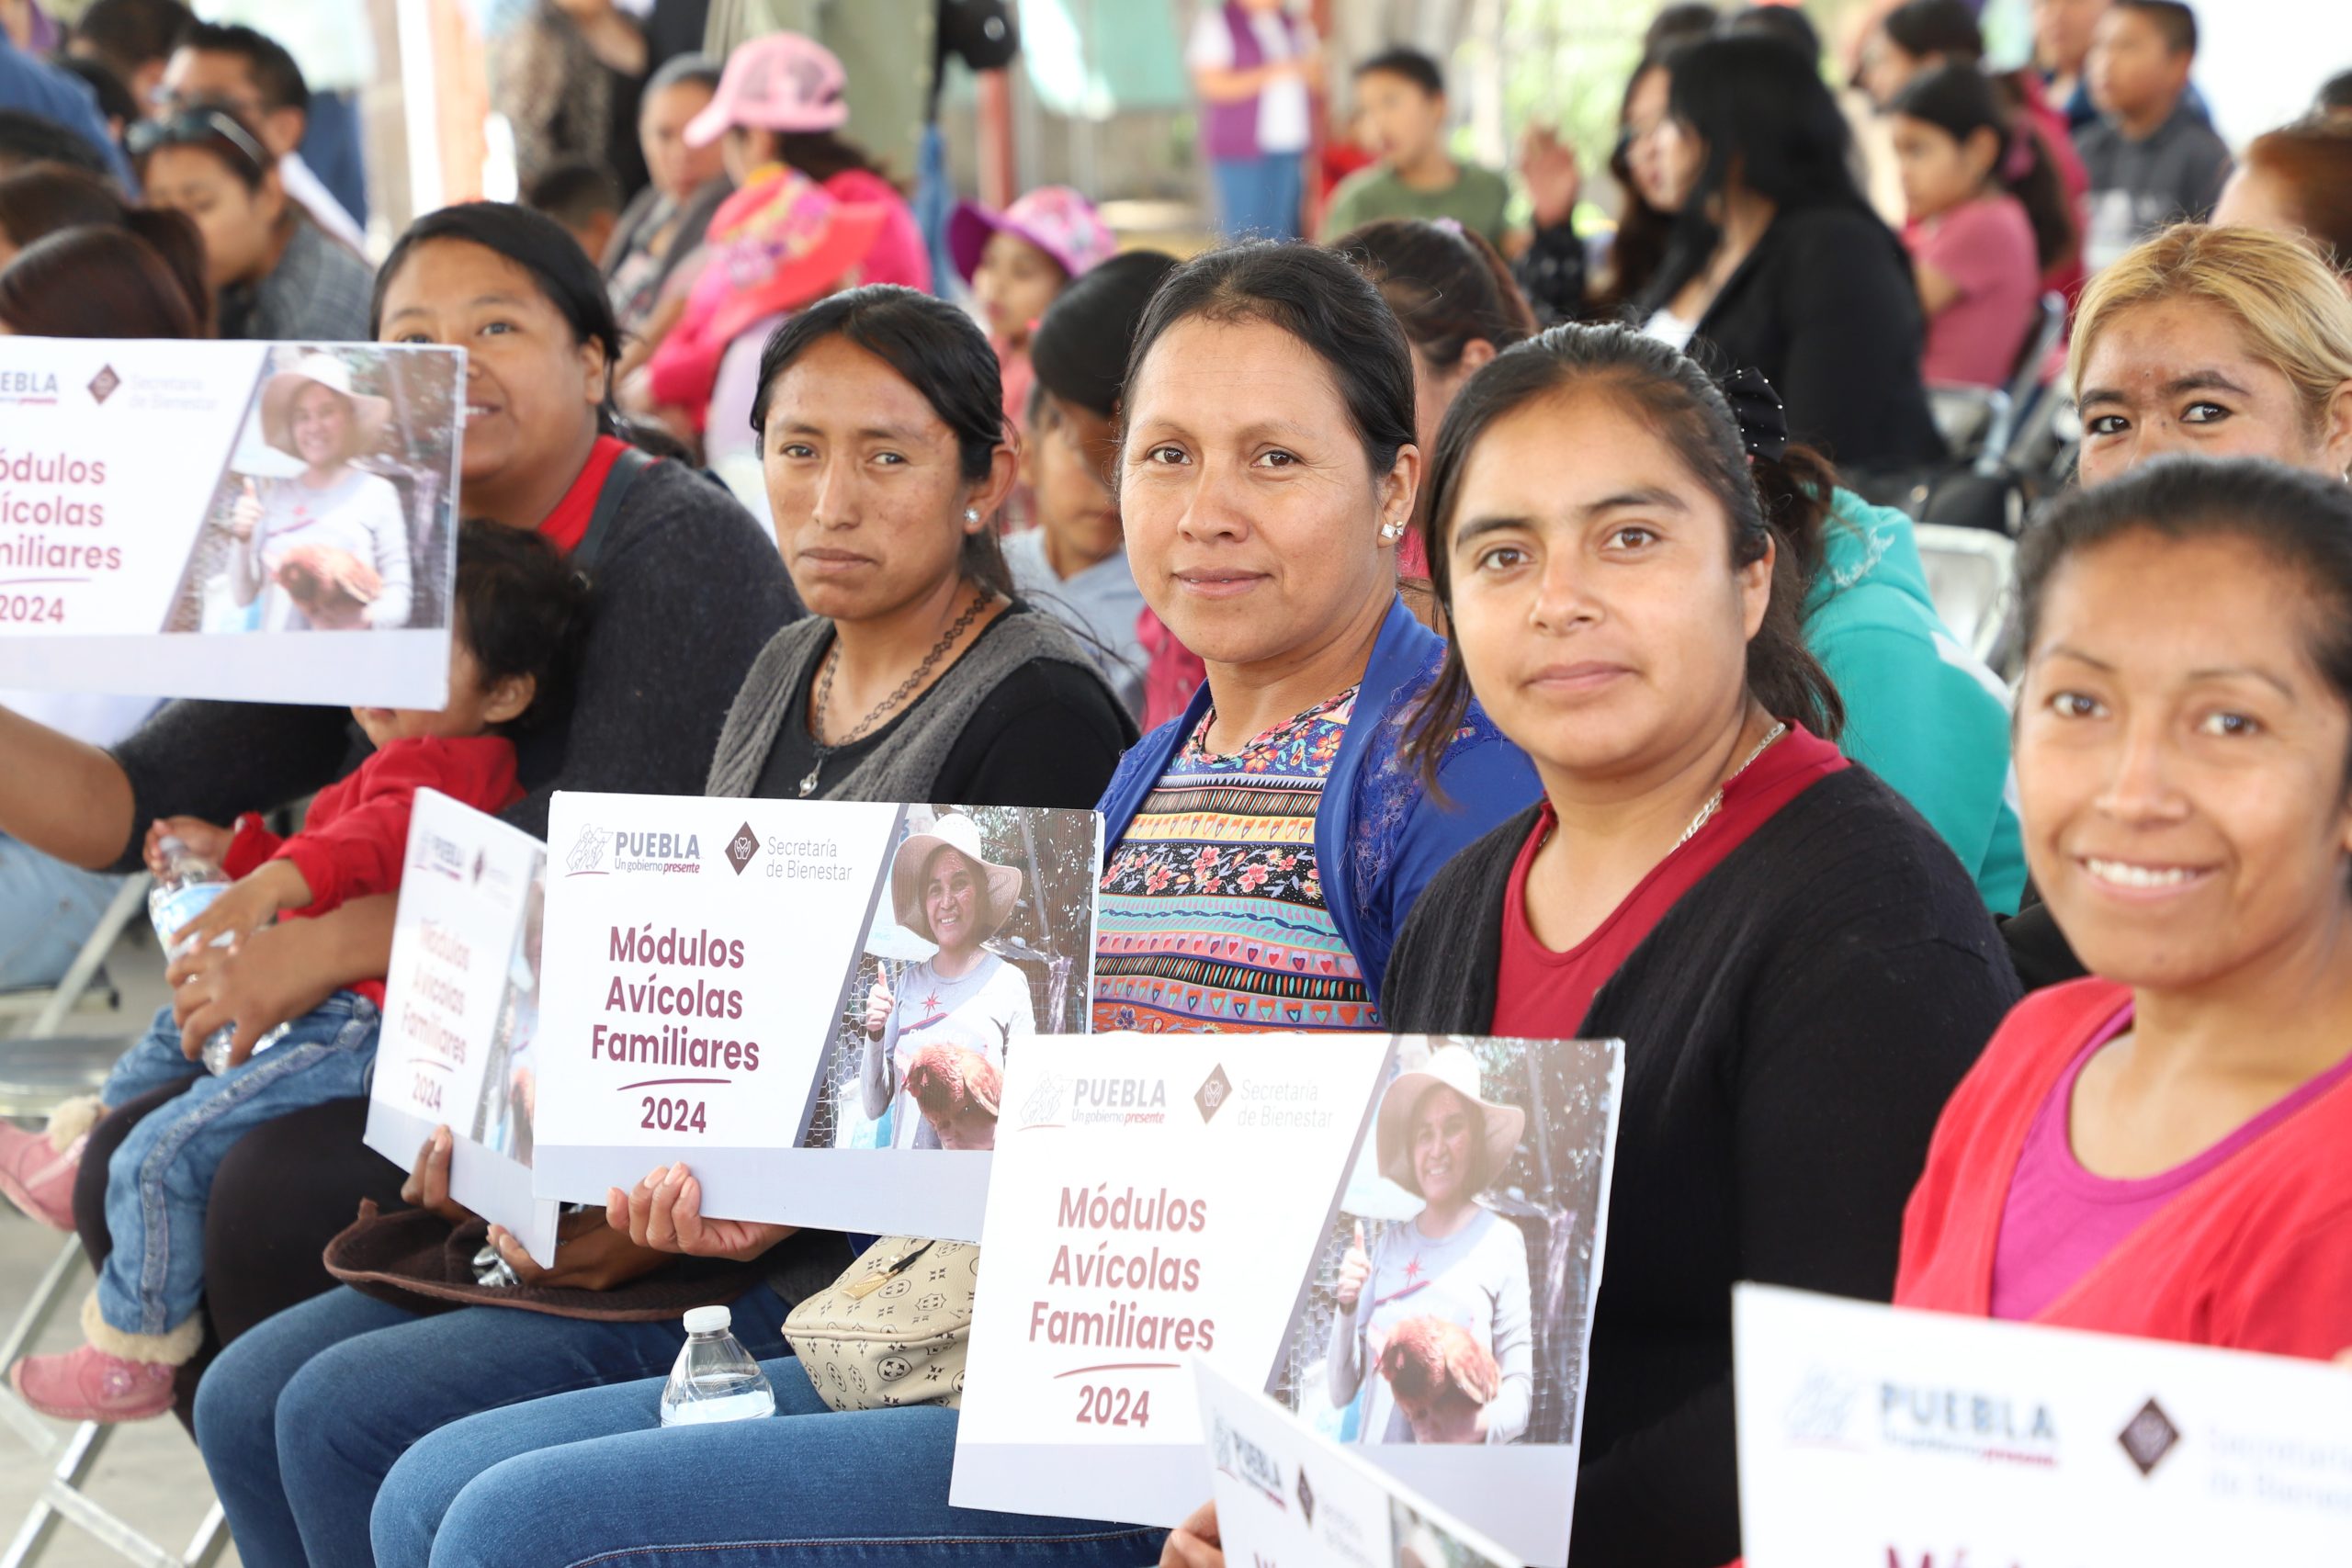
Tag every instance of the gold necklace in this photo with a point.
(1716, 801)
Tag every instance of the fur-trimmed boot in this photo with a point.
(36, 1169)
(115, 1377)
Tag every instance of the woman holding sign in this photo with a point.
(327, 549)
(1456, 1266)
(1799, 966)
(964, 999)
(2165, 1149)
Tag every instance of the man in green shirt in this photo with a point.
(1400, 100)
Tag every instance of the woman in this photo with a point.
(2217, 342)
(327, 549)
(1778, 263)
(946, 892)
(883, 432)
(276, 275)
(47, 198)
(1456, 1263)
(2162, 1150)
(1258, 70)
(1263, 531)
(512, 288)
(665, 223)
(1455, 299)
(1553, 271)
(2297, 181)
(95, 283)
(1619, 605)
(569, 79)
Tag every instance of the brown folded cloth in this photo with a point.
(415, 1259)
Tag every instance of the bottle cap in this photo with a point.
(709, 1320)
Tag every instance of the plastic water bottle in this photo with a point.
(186, 885)
(716, 1379)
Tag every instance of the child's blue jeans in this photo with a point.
(161, 1179)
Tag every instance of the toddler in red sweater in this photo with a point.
(517, 607)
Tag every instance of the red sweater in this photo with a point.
(356, 836)
(2257, 1254)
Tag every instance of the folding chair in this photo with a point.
(1971, 577)
(37, 1075)
(1972, 420)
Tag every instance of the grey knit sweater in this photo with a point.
(688, 589)
(921, 738)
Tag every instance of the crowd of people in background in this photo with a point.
(1541, 599)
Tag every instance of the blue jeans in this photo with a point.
(1257, 199)
(592, 1476)
(160, 1180)
(48, 909)
(300, 1418)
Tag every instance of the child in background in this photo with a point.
(1074, 563)
(1988, 219)
(1400, 95)
(1018, 262)
(582, 196)
(518, 611)
(2154, 159)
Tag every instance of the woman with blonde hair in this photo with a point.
(2216, 342)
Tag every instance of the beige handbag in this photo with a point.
(894, 1329)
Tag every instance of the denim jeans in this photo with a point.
(300, 1418)
(594, 1475)
(160, 1180)
(48, 909)
(1257, 199)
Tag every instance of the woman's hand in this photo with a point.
(1196, 1543)
(879, 1003)
(664, 1211)
(273, 976)
(428, 1186)
(245, 907)
(244, 513)
(527, 1089)
(203, 840)
(1355, 1270)
(589, 1255)
(1548, 166)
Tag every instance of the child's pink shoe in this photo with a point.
(36, 1178)
(89, 1385)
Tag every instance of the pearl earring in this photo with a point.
(971, 514)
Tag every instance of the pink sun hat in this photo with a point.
(780, 81)
(1055, 218)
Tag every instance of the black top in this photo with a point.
(1794, 1026)
(1825, 308)
(1050, 735)
(688, 590)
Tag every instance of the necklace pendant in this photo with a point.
(808, 785)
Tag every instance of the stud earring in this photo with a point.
(1392, 532)
(971, 514)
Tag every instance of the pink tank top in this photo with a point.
(2061, 1222)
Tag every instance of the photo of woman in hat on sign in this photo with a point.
(962, 1003)
(1434, 1332)
(321, 544)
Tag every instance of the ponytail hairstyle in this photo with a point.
(1668, 392)
(1960, 101)
(47, 198)
(936, 349)
(1445, 283)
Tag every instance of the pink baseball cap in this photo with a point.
(780, 81)
(1055, 218)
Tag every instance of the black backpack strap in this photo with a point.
(632, 462)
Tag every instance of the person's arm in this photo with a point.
(1507, 1414)
(1935, 290)
(676, 621)
(247, 577)
(878, 1072)
(62, 796)
(1845, 1064)
(280, 973)
(395, 568)
(1343, 1363)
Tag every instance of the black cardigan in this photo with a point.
(688, 590)
(1825, 307)
(1794, 1026)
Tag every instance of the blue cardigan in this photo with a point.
(1378, 835)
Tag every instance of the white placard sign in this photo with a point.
(461, 1005)
(811, 1003)
(228, 519)
(1397, 1237)
(1287, 1495)
(1872, 1437)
